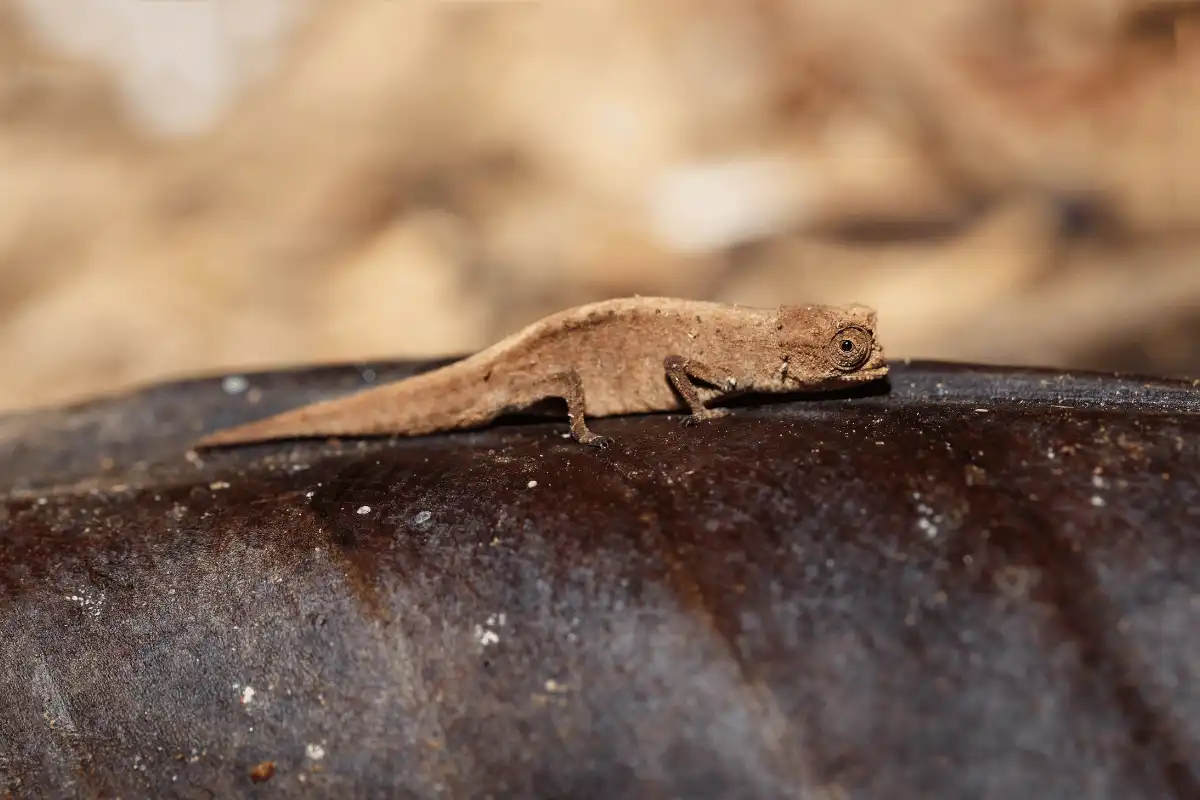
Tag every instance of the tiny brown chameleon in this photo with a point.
(617, 357)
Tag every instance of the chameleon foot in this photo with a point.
(599, 442)
(706, 414)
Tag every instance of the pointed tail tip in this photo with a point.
(212, 441)
(226, 437)
(271, 429)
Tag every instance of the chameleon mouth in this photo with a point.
(864, 375)
(871, 373)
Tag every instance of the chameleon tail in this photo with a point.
(442, 399)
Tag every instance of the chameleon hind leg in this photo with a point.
(568, 387)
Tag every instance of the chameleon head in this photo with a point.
(829, 345)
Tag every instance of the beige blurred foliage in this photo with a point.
(1005, 180)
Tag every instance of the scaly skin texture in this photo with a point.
(626, 356)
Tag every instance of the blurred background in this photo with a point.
(200, 186)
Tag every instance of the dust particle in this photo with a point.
(364, 510)
(263, 772)
(531, 485)
(234, 384)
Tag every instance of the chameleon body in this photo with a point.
(616, 357)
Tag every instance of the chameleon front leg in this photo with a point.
(682, 371)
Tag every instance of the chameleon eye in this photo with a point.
(851, 347)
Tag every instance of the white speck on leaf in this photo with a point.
(90, 605)
(928, 520)
(364, 510)
(531, 485)
(422, 517)
(484, 633)
(314, 751)
(247, 695)
(485, 636)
